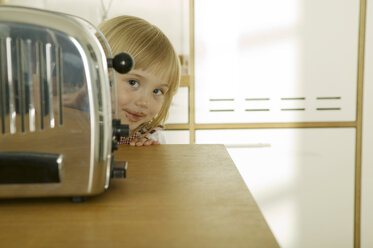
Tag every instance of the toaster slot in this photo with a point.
(31, 83)
(40, 65)
(30, 167)
(20, 84)
(49, 81)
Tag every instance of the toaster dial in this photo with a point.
(121, 62)
(120, 130)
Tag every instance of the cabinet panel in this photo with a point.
(367, 155)
(275, 61)
(302, 180)
(177, 136)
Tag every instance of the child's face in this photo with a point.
(140, 96)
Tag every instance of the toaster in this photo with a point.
(58, 126)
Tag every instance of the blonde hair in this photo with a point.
(150, 49)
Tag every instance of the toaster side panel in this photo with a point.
(50, 103)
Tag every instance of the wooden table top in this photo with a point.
(173, 196)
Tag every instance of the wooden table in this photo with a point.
(173, 196)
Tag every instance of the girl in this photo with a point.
(146, 92)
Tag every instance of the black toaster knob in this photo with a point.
(122, 63)
(120, 130)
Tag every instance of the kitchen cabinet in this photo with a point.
(275, 61)
(177, 136)
(264, 67)
(302, 180)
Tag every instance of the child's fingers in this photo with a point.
(143, 142)
(151, 142)
(138, 142)
(134, 142)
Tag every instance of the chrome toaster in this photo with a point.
(57, 131)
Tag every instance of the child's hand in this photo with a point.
(143, 142)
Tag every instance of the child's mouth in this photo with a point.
(133, 116)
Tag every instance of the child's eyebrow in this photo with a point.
(135, 75)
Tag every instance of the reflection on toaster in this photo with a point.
(57, 135)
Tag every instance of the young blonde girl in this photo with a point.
(145, 93)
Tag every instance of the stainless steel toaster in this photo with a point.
(57, 134)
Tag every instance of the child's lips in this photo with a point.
(134, 116)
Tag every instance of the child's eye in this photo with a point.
(158, 92)
(133, 83)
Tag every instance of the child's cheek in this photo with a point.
(123, 97)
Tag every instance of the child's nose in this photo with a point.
(142, 101)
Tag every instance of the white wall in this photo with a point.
(171, 16)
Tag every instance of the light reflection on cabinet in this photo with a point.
(302, 180)
(294, 61)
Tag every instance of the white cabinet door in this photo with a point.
(302, 180)
(177, 136)
(275, 61)
(367, 154)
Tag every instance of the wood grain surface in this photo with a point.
(173, 196)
